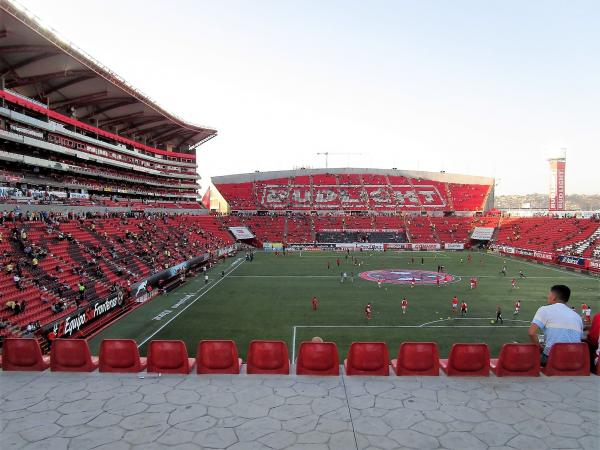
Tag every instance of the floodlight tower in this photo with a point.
(556, 198)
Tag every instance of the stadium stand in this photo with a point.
(568, 360)
(120, 356)
(367, 358)
(517, 360)
(314, 358)
(268, 358)
(355, 190)
(318, 358)
(72, 355)
(169, 357)
(54, 256)
(545, 233)
(417, 359)
(467, 360)
(217, 357)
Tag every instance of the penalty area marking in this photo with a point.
(190, 304)
(423, 325)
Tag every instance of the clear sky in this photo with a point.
(479, 87)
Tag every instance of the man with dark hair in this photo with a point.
(556, 320)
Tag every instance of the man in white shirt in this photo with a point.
(556, 320)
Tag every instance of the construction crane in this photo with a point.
(332, 153)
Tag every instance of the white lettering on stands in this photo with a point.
(101, 308)
(74, 323)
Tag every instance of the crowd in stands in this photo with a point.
(96, 185)
(544, 233)
(51, 264)
(537, 233)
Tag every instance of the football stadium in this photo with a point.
(144, 306)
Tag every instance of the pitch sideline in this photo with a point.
(189, 304)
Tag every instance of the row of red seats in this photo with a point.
(314, 358)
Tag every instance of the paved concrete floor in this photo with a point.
(107, 411)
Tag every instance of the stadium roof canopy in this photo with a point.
(37, 63)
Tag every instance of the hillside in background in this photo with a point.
(574, 202)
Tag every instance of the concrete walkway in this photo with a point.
(106, 411)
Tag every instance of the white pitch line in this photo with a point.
(412, 326)
(188, 305)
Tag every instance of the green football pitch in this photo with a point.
(270, 298)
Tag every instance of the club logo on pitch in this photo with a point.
(406, 276)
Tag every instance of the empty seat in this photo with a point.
(268, 357)
(318, 358)
(467, 360)
(25, 355)
(368, 358)
(72, 355)
(567, 359)
(217, 357)
(417, 358)
(120, 356)
(517, 360)
(169, 357)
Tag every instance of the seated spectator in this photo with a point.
(556, 320)
(17, 280)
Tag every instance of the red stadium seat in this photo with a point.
(467, 360)
(120, 356)
(318, 358)
(517, 360)
(368, 358)
(72, 355)
(417, 358)
(23, 355)
(217, 357)
(169, 357)
(268, 357)
(568, 360)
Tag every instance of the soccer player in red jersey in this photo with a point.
(437, 281)
(412, 283)
(368, 311)
(404, 305)
(338, 262)
(454, 304)
(463, 308)
(517, 308)
(514, 283)
(315, 303)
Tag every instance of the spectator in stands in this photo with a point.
(593, 340)
(556, 320)
(17, 281)
(11, 305)
(58, 307)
